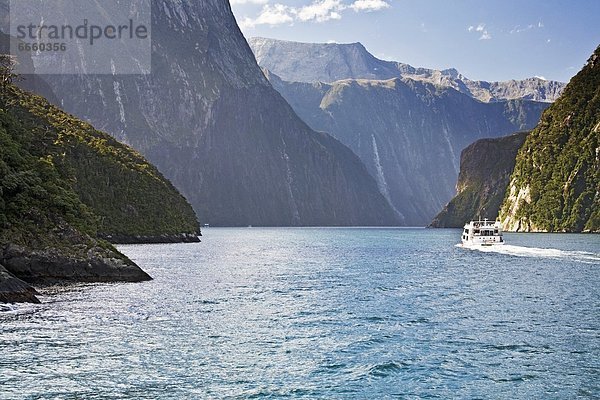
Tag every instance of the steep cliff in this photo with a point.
(556, 182)
(408, 133)
(330, 62)
(485, 169)
(211, 122)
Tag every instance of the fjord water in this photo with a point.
(320, 313)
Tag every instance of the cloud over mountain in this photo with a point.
(317, 11)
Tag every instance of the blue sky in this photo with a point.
(484, 39)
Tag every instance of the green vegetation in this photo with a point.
(557, 170)
(34, 200)
(54, 166)
(485, 169)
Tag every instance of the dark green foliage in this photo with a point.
(33, 198)
(485, 168)
(63, 166)
(560, 161)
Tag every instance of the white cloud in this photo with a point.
(519, 29)
(317, 11)
(540, 77)
(369, 5)
(485, 35)
(321, 11)
(237, 2)
(276, 14)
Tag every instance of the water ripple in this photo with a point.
(319, 313)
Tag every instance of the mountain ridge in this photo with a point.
(334, 61)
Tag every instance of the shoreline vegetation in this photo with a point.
(67, 192)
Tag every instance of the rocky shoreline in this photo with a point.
(166, 238)
(21, 267)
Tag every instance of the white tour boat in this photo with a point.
(482, 233)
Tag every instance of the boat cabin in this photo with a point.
(484, 233)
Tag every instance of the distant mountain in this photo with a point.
(408, 133)
(330, 62)
(485, 169)
(555, 185)
(212, 123)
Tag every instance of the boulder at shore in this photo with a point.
(14, 290)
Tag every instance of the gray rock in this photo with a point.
(14, 290)
(54, 265)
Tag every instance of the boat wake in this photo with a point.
(521, 251)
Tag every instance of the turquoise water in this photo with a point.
(320, 313)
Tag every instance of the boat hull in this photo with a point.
(471, 245)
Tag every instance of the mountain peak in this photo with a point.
(330, 62)
(319, 62)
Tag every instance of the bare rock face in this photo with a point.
(408, 125)
(330, 62)
(214, 126)
(408, 133)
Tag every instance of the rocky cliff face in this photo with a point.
(485, 169)
(408, 133)
(556, 182)
(211, 122)
(332, 62)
